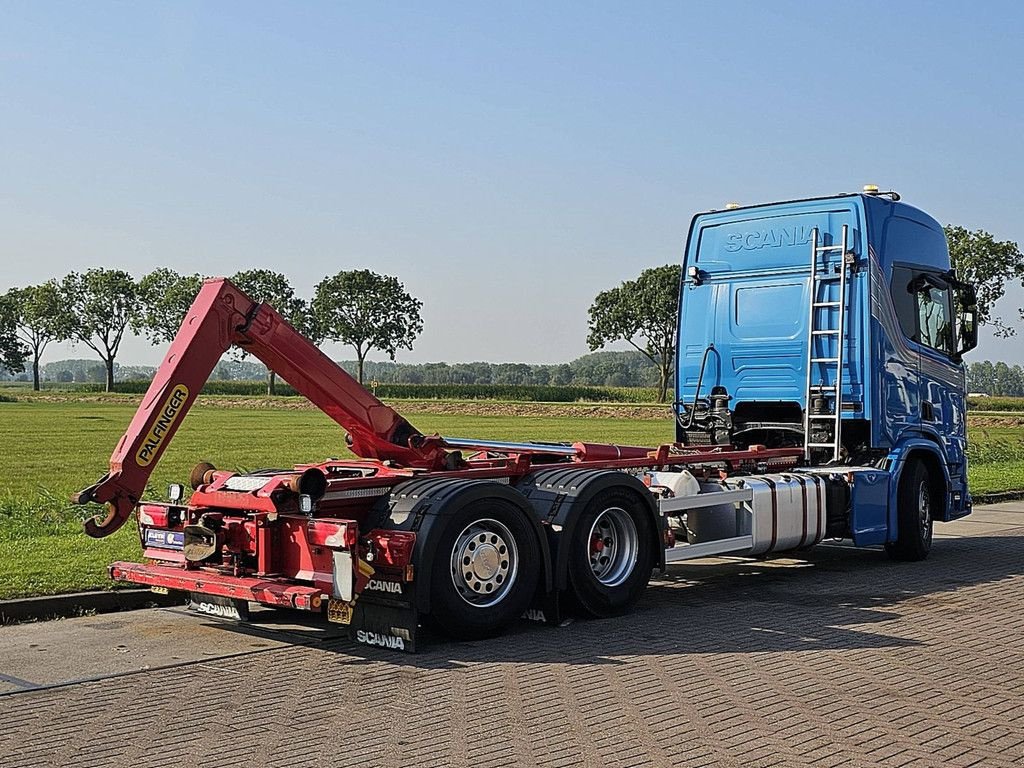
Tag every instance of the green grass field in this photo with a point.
(49, 450)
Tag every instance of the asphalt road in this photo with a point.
(839, 658)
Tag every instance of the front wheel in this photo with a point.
(611, 553)
(915, 505)
(486, 570)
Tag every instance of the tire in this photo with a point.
(915, 502)
(486, 570)
(611, 553)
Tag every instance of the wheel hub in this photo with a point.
(924, 508)
(614, 546)
(484, 563)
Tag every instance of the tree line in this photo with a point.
(598, 369)
(358, 308)
(999, 379)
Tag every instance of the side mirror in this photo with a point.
(966, 318)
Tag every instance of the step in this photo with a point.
(824, 359)
(826, 332)
(826, 304)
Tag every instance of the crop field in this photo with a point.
(50, 449)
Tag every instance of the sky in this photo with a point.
(507, 161)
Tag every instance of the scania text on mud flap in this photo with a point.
(819, 393)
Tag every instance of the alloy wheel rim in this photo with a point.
(613, 546)
(484, 563)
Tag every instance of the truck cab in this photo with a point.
(835, 324)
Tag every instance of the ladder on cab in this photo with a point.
(821, 356)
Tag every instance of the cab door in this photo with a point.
(925, 302)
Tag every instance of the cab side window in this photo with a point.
(903, 300)
(923, 303)
(934, 318)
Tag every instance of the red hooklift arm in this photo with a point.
(222, 316)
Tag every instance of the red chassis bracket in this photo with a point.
(270, 592)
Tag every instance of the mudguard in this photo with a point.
(419, 506)
(897, 459)
(558, 495)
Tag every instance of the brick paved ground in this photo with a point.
(840, 659)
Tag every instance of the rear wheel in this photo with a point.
(486, 570)
(916, 501)
(611, 553)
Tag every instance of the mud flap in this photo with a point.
(545, 609)
(393, 626)
(219, 607)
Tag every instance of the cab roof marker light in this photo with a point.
(873, 190)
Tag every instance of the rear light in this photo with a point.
(330, 533)
(393, 548)
(154, 515)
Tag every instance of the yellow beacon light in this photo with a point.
(870, 189)
(731, 206)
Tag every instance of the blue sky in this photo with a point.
(506, 161)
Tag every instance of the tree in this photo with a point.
(367, 311)
(1003, 379)
(102, 304)
(12, 351)
(42, 316)
(164, 299)
(981, 377)
(643, 313)
(273, 288)
(987, 264)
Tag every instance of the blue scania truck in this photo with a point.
(835, 325)
(820, 394)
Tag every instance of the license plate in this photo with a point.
(339, 611)
(164, 539)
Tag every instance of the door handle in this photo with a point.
(927, 411)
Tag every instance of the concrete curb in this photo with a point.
(77, 603)
(996, 498)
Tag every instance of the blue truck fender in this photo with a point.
(896, 461)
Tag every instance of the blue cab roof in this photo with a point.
(895, 230)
